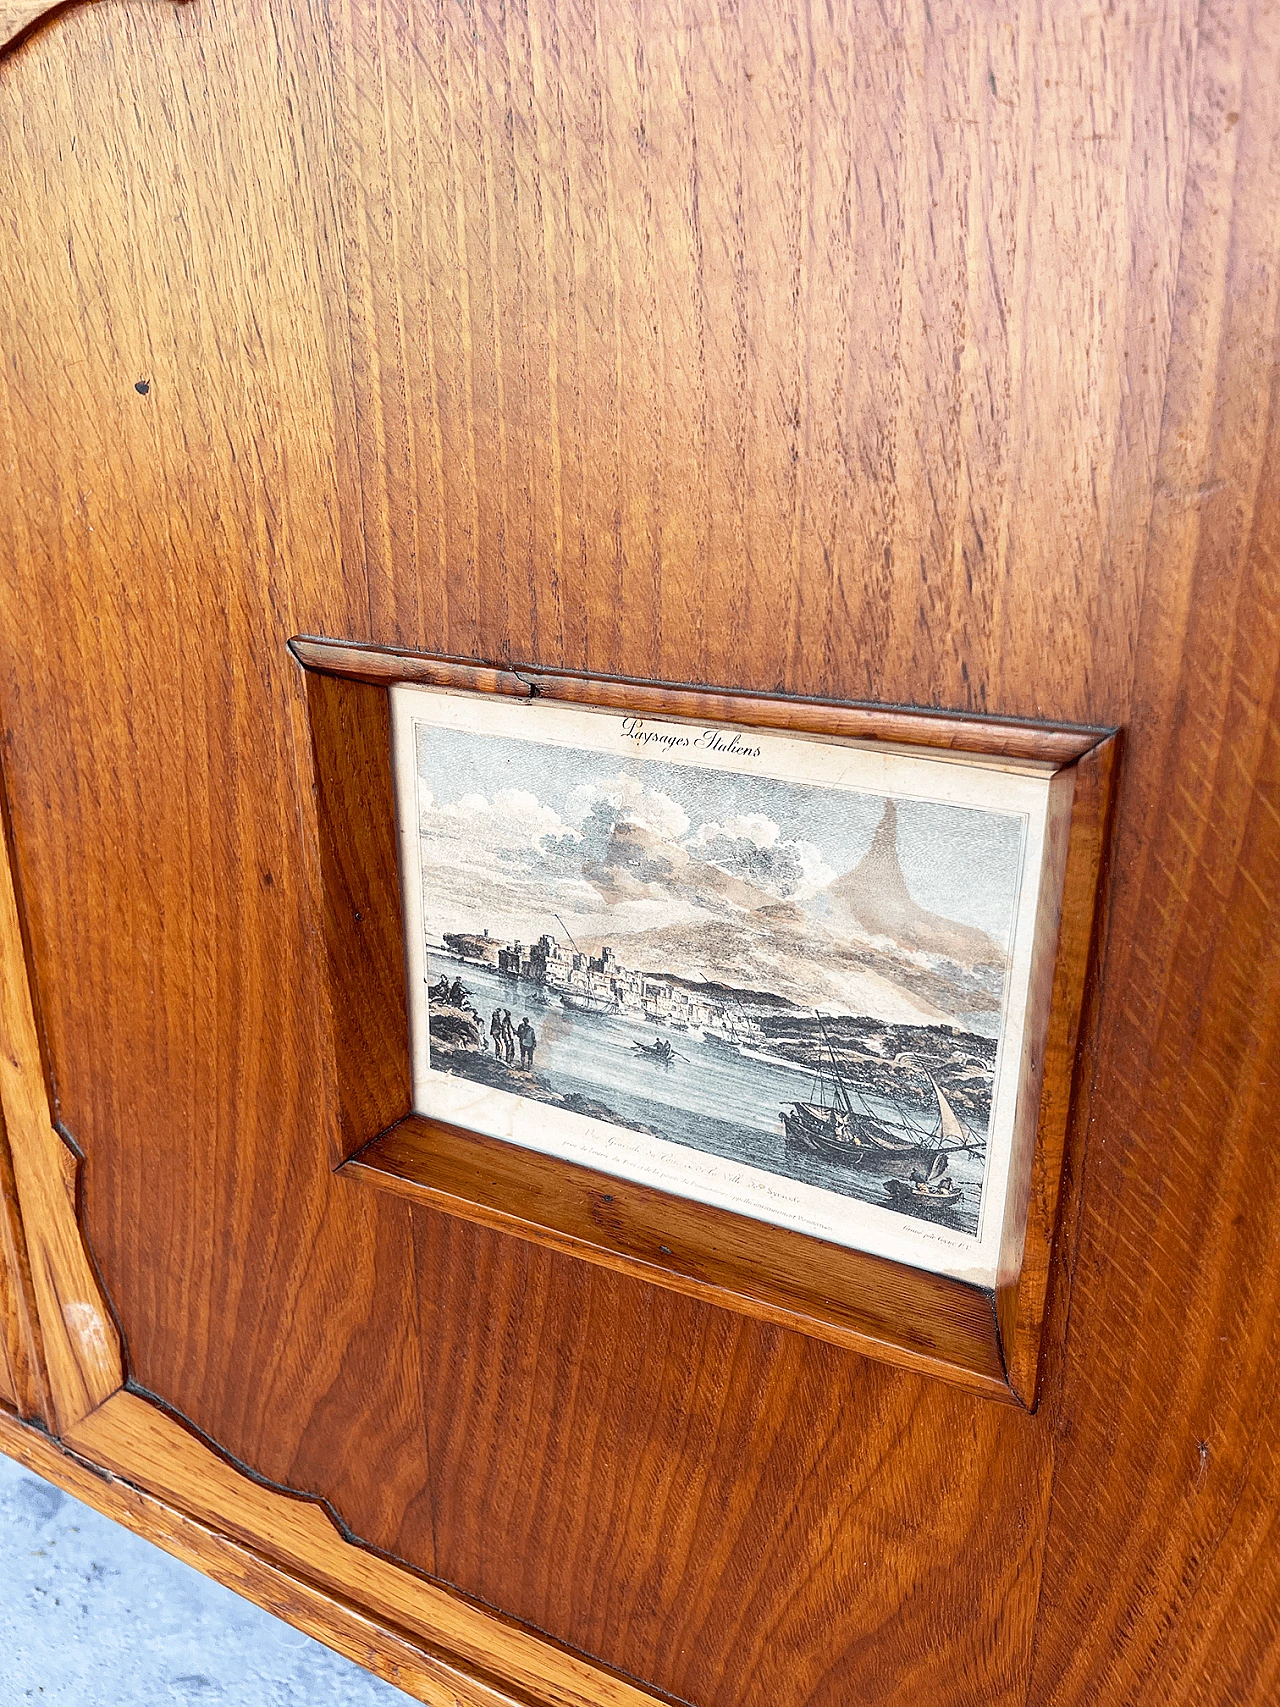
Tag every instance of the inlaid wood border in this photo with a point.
(985, 1340)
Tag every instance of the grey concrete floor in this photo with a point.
(92, 1616)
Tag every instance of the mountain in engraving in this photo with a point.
(874, 899)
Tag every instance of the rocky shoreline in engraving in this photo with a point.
(456, 1047)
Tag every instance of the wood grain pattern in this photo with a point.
(67, 1360)
(384, 665)
(19, 16)
(660, 1505)
(23, 1376)
(720, 349)
(177, 934)
(883, 1309)
(431, 1645)
(1168, 1467)
(133, 1438)
(864, 353)
(1049, 743)
(1022, 1306)
(8, 1380)
(350, 730)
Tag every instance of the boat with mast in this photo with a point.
(588, 1001)
(733, 1028)
(727, 1031)
(838, 1122)
(951, 1135)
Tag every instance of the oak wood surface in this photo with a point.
(8, 1379)
(1000, 737)
(18, 16)
(1022, 1303)
(350, 731)
(200, 978)
(689, 1446)
(1167, 1468)
(23, 1375)
(384, 665)
(861, 353)
(129, 1436)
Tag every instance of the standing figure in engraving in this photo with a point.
(508, 1037)
(495, 1032)
(528, 1043)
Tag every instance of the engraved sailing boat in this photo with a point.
(935, 1192)
(840, 1124)
(925, 1194)
(951, 1134)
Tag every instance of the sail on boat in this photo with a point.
(832, 1125)
(838, 1123)
(923, 1194)
(951, 1134)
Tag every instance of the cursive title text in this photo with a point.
(670, 740)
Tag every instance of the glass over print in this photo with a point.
(783, 974)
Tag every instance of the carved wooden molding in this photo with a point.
(444, 1649)
(985, 1339)
(60, 1361)
(75, 1356)
(17, 16)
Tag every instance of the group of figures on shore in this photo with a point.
(504, 1035)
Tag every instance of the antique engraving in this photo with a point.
(775, 972)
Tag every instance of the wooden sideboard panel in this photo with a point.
(821, 351)
(738, 1513)
(1167, 1465)
(153, 545)
(877, 355)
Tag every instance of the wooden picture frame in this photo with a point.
(985, 1338)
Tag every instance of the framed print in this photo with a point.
(774, 1002)
(781, 974)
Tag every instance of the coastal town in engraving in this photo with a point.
(807, 980)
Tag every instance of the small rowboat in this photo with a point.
(658, 1051)
(909, 1195)
(917, 1193)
